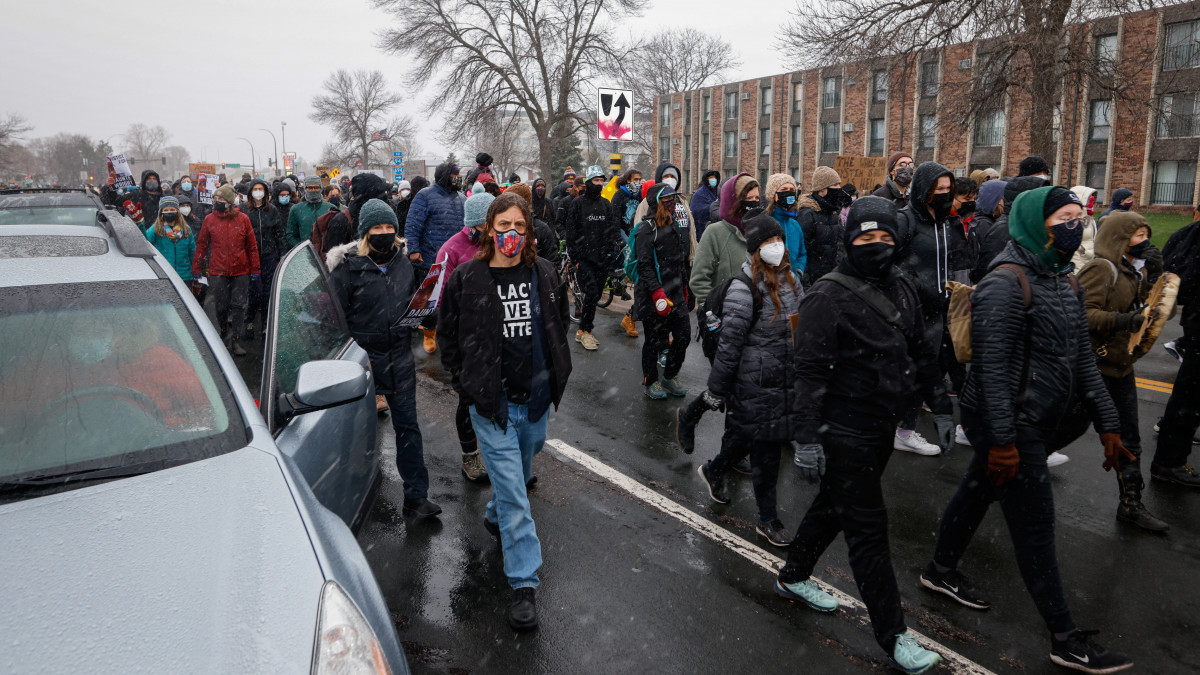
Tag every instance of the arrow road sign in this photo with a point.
(614, 117)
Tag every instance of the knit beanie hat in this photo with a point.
(375, 212)
(475, 209)
(312, 181)
(896, 156)
(168, 201)
(1058, 198)
(1031, 165)
(568, 172)
(869, 213)
(225, 192)
(291, 185)
(523, 190)
(774, 182)
(823, 177)
(759, 229)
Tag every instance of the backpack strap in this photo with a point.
(870, 295)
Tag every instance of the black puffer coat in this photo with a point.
(991, 236)
(374, 301)
(1061, 368)
(754, 365)
(267, 225)
(671, 247)
(923, 249)
(822, 226)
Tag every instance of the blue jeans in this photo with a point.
(508, 456)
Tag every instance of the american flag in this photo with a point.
(380, 135)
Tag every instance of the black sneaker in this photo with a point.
(743, 466)
(685, 432)
(420, 508)
(522, 613)
(1080, 653)
(492, 528)
(532, 483)
(775, 533)
(955, 585)
(716, 486)
(1181, 475)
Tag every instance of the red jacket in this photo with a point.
(234, 250)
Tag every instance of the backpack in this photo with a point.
(631, 265)
(715, 303)
(631, 206)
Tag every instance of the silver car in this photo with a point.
(151, 518)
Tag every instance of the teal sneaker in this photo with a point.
(656, 391)
(911, 657)
(673, 387)
(809, 593)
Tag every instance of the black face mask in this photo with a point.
(966, 209)
(382, 243)
(151, 185)
(220, 207)
(540, 192)
(336, 200)
(838, 198)
(904, 176)
(873, 261)
(786, 199)
(941, 205)
(1139, 250)
(592, 190)
(170, 217)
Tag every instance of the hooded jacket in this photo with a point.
(1119, 195)
(267, 225)
(620, 200)
(821, 225)
(923, 252)
(147, 200)
(435, 215)
(591, 230)
(284, 209)
(722, 250)
(178, 252)
(702, 198)
(1114, 287)
(543, 208)
(1061, 367)
(1087, 249)
(234, 250)
(403, 206)
(662, 261)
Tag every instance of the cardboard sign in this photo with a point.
(425, 300)
(118, 169)
(206, 187)
(614, 114)
(197, 168)
(863, 173)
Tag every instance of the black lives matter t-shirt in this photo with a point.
(516, 361)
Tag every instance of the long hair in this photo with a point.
(627, 176)
(364, 248)
(760, 271)
(487, 245)
(160, 228)
(664, 216)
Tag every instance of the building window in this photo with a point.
(989, 72)
(687, 149)
(929, 79)
(797, 139)
(989, 128)
(1099, 120)
(1182, 46)
(1096, 171)
(707, 108)
(831, 139)
(664, 148)
(764, 141)
(768, 100)
(1179, 116)
(687, 111)
(1106, 54)
(879, 84)
(928, 131)
(831, 92)
(1174, 183)
(731, 144)
(797, 96)
(1056, 124)
(878, 130)
(664, 114)
(731, 105)
(704, 150)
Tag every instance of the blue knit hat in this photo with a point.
(475, 209)
(375, 212)
(168, 201)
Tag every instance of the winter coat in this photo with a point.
(619, 204)
(374, 301)
(231, 239)
(991, 236)
(923, 249)
(470, 320)
(404, 205)
(559, 191)
(543, 207)
(890, 191)
(457, 250)
(301, 219)
(268, 228)
(793, 238)
(144, 198)
(592, 231)
(669, 245)
(702, 199)
(1182, 257)
(435, 215)
(822, 230)
(683, 217)
(755, 361)
(1113, 287)
(719, 257)
(854, 368)
(1119, 195)
(284, 209)
(964, 250)
(1087, 248)
(178, 252)
(547, 241)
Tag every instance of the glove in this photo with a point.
(662, 304)
(1130, 321)
(810, 457)
(1113, 450)
(714, 402)
(132, 210)
(945, 431)
(1003, 463)
(255, 277)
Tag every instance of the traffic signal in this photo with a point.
(222, 165)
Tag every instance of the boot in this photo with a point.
(1131, 509)
(686, 419)
(629, 326)
(430, 342)
(381, 405)
(473, 468)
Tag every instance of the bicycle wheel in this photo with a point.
(606, 294)
(576, 306)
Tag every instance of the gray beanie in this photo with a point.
(475, 209)
(375, 212)
(312, 181)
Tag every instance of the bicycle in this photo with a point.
(614, 284)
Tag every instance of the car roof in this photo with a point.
(47, 198)
(33, 255)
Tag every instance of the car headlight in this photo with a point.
(345, 642)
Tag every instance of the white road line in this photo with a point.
(955, 662)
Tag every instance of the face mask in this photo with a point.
(152, 185)
(1067, 236)
(404, 193)
(382, 243)
(284, 199)
(456, 183)
(336, 200)
(672, 181)
(169, 216)
(90, 349)
(1139, 250)
(941, 205)
(593, 190)
(540, 192)
(257, 194)
(873, 260)
(712, 182)
(772, 254)
(838, 198)
(185, 210)
(635, 188)
(904, 176)
(474, 235)
(312, 196)
(1122, 207)
(220, 207)
(786, 199)
(186, 186)
(966, 209)
(510, 243)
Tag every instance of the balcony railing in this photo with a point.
(1178, 57)
(1172, 194)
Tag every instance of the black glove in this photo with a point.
(1129, 321)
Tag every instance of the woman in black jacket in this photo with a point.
(502, 335)
(661, 298)
(819, 216)
(374, 284)
(267, 224)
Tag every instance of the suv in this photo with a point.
(48, 206)
(142, 492)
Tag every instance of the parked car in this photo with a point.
(152, 518)
(48, 206)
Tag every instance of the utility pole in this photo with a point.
(252, 169)
(276, 146)
(283, 130)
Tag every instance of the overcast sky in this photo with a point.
(210, 72)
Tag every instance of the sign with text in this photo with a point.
(289, 160)
(425, 300)
(118, 170)
(863, 173)
(197, 168)
(614, 114)
(206, 187)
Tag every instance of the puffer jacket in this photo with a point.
(373, 301)
(822, 229)
(435, 215)
(1113, 287)
(793, 238)
(991, 235)
(1061, 366)
(267, 223)
(923, 249)
(178, 252)
(754, 364)
(670, 246)
(234, 252)
(457, 250)
(702, 199)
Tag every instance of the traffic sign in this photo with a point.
(398, 173)
(614, 114)
(398, 160)
(397, 153)
(230, 165)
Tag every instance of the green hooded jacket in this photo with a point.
(1027, 227)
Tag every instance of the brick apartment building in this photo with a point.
(792, 122)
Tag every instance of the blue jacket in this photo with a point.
(436, 215)
(702, 199)
(179, 253)
(793, 238)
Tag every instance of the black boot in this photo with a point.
(686, 419)
(522, 613)
(1131, 509)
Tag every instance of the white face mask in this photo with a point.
(257, 194)
(404, 193)
(772, 254)
(672, 181)
(185, 210)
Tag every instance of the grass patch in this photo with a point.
(1164, 225)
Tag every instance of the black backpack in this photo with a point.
(715, 303)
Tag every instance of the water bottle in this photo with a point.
(712, 322)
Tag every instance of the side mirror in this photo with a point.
(325, 384)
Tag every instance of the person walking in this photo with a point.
(302, 217)
(1179, 422)
(503, 338)
(268, 227)
(543, 207)
(865, 354)
(1087, 247)
(706, 193)
(408, 192)
(592, 234)
(172, 235)
(436, 215)
(282, 198)
(900, 174)
(374, 284)
(781, 200)
(234, 263)
(817, 213)
(661, 296)
(1122, 200)
(1010, 416)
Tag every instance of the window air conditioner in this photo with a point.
(745, 135)
(848, 127)
(745, 96)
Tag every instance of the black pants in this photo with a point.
(1182, 416)
(231, 295)
(935, 327)
(260, 293)
(410, 449)
(950, 365)
(1028, 505)
(672, 332)
(466, 431)
(590, 276)
(1123, 391)
(851, 502)
(764, 467)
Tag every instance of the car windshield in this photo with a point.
(48, 215)
(101, 375)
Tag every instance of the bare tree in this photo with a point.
(502, 134)
(356, 106)
(145, 144)
(12, 128)
(539, 57)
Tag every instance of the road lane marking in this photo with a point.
(1154, 385)
(957, 663)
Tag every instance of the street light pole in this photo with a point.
(276, 146)
(283, 130)
(252, 169)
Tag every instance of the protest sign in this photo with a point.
(118, 170)
(206, 187)
(863, 173)
(425, 300)
(197, 168)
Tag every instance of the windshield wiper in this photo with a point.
(44, 480)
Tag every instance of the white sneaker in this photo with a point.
(960, 437)
(915, 443)
(1056, 459)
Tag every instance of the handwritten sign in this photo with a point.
(862, 172)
